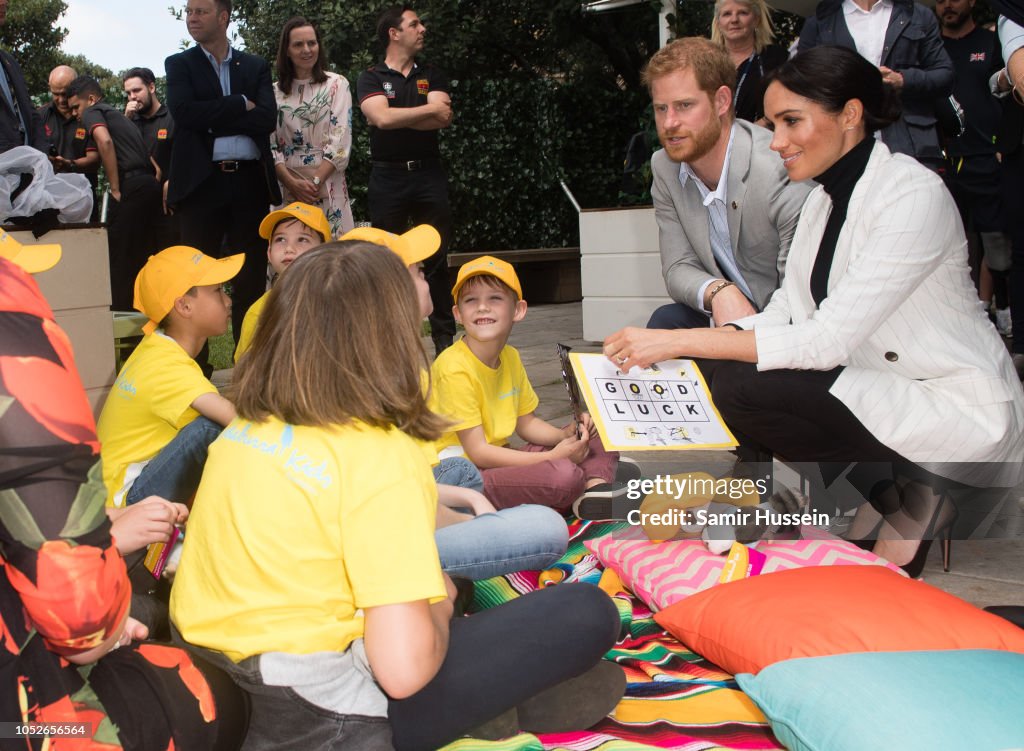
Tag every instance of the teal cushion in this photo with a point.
(950, 700)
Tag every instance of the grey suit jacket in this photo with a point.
(763, 208)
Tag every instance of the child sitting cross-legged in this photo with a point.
(481, 542)
(162, 412)
(289, 233)
(310, 572)
(480, 384)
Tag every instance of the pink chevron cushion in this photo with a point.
(663, 573)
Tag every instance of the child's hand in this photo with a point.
(479, 503)
(572, 448)
(150, 520)
(588, 426)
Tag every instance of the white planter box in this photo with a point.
(620, 268)
(78, 291)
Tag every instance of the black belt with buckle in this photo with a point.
(410, 166)
(235, 165)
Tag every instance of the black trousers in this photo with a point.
(131, 235)
(791, 414)
(222, 217)
(499, 658)
(1013, 189)
(400, 199)
(496, 660)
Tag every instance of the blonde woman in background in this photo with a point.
(313, 140)
(744, 29)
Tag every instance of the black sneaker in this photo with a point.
(605, 502)
(628, 469)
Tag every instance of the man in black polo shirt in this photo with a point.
(406, 103)
(974, 173)
(134, 189)
(154, 121)
(68, 144)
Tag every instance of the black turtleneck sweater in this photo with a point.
(838, 181)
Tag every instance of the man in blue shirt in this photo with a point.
(222, 173)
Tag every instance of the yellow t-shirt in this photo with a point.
(469, 393)
(294, 529)
(249, 325)
(148, 404)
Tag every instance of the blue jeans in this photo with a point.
(174, 473)
(523, 538)
(460, 472)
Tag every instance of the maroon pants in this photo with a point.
(555, 483)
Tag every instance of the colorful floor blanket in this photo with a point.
(674, 700)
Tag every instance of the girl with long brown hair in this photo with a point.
(311, 572)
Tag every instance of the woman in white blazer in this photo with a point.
(876, 348)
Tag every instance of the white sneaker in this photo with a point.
(1003, 324)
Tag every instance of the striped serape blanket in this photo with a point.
(674, 700)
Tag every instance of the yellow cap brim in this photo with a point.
(516, 287)
(35, 258)
(276, 217)
(423, 241)
(224, 270)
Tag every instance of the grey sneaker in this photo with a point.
(575, 704)
(605, 502)
(1003, 323)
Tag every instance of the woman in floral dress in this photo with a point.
(313, 140)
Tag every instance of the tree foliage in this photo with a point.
(33, 36)
(541, 93)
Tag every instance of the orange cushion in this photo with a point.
(749, 624)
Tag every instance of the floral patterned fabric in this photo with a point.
(63, 585)
(314, 123)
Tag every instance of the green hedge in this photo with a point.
(539, 92)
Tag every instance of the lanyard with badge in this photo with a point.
(743, 76)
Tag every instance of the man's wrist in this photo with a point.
(714, 290)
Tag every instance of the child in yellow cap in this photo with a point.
(491, 543)
(311, 573)
(480, 384)
(162, 412)
(289, 232)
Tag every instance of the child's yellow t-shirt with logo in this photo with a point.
(295, 529)
(469, 393)
(150, 401)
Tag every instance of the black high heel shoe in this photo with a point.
(940, 527)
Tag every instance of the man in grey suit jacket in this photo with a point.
(725, 208)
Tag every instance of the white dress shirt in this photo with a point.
(715, 201)
(868, 27)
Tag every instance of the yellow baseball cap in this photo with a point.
(311, 216)
(174, 271)
(490, 266)
(32, 258)
(416, 245)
